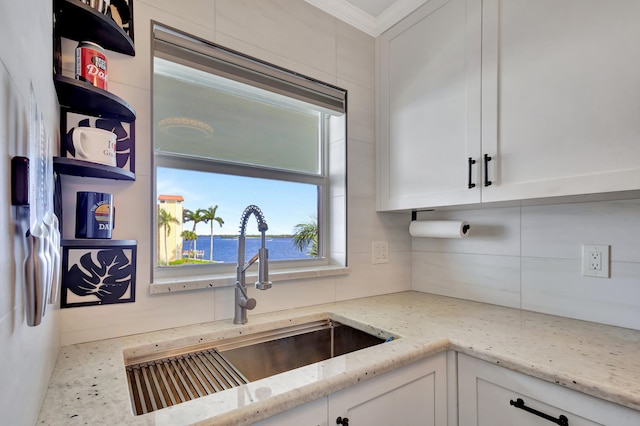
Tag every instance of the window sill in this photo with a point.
(226, 280)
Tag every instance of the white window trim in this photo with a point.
(226, 280)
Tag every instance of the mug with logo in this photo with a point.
(92, 144)
(95, 215)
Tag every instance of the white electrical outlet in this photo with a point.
(380, 252)
(595, 260)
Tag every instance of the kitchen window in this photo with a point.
(230, 131)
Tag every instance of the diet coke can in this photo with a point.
(91, 64)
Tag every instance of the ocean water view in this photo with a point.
(226, 249)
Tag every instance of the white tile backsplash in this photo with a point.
(484, 278)
(362, 170)
(370, 280)
(290, 294)
(543, 248)
(366, 225)
(166, 310)
(556, 286)
(558, 231)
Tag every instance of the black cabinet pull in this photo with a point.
(471, 163)
(561, 420)
(487, 182)
(342, 421)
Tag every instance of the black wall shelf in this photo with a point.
(78, 21)
(81, 22)
(84, 98)
(74, 167)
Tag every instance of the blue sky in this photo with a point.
(284, 204)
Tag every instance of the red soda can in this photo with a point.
(91, 64)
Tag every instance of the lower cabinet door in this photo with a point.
(489, 395)
(412, 395)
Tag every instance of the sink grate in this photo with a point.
(169, 381)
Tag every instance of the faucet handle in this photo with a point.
(250, 303)
(242, 299)
(247, 303)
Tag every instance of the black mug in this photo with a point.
(95, 215)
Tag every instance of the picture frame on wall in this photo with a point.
(98, 272)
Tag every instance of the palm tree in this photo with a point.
(195, 217)
(190, 236)
(209, 216)
(307, 233)
(165, 219)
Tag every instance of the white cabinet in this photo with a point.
(560, 102)
(546, 89)
(412, 395)
(428, 102)
(485, 393)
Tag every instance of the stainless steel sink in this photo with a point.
(284, 352)
(170, 377)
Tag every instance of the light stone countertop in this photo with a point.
(89, 385)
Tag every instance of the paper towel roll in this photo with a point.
(439, 229)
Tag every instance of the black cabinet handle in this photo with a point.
(471, 163)
(342, 421)
(561, 420)
(487, 182)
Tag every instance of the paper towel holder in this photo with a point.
(414, 213)
(414, 217)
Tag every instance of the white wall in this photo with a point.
(291, 34)
(27, 354)
(530, 258)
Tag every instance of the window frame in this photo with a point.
(224, 272)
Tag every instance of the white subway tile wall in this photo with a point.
(530, 257)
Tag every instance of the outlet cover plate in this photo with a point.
(595, 260)
(380, 252)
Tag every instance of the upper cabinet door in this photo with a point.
(560, 97)
(428, 98)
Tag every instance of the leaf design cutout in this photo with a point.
(108, 279)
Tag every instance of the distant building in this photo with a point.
(172, 204)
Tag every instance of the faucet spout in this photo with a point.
(242, 301)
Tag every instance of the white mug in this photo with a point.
(95, 145)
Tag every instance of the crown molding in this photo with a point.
(362, 20)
